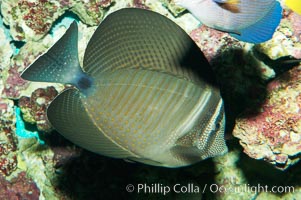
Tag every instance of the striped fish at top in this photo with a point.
(253, 21)
(145, 92)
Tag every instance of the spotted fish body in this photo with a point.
(145, 92)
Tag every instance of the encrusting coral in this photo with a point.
(31, 20)
(274, 133)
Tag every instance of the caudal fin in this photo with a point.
(60, 63)
(262, 30)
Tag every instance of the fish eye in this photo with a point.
(217, 126)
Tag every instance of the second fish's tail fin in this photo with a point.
(262, 30)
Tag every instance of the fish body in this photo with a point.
(143, 93)
(251, 21)
(295, 5)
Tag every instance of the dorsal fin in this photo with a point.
(131, 38)
(60, 63)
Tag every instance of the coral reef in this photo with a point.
(287, 40)
(211, 41)
(90, 12)
(230, 177)
(295, 24)
(6, 50)
(19, 188)
(34, 108)
(31, 20)
(269, 128)
(14, 85)
(174, 9)
(37, 161)
(140, 4)
(274, 134)
(8, 142)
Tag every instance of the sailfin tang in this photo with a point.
(69, 117)
(60, 63)
(262, 30)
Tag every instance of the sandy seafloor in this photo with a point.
(262, 100)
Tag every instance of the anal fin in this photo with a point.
(70, 118)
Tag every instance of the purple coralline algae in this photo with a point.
(90, 12)
(31, 20)
(18, 188)
(210, 41)
(140, 4)
(14, 85)
(34, 107)
(274, 134)
(295, 21)
(8, 141)
(286, 40)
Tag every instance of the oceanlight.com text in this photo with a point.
(158, 188)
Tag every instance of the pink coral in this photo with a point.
(19, 188)
(37, 14)
(295, 20)
(14, 83)
(210, 41)
(105, 3)
(37, 104)
(140, 4)
(8, 144)
(93, 9)
(275, 133)
(65, 3)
